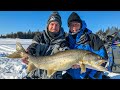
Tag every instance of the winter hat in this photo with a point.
(74, 17)
(55, 17)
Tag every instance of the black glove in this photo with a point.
(83, 39)
(64, 44)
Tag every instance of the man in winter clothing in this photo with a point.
(50, 41)
(113, 50)
(80, 37)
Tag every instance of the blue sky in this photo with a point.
(14, 21)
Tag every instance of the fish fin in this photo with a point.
(30, 67)
(50, 72)
(99, 62)
(82, 66)
(83, 69)
(14, 55)
(19, 47)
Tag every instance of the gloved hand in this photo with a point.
(64, 44)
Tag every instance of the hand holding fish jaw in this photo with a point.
(25, 60)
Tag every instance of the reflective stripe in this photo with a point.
(33, 41)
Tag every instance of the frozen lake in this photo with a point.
(15, 68)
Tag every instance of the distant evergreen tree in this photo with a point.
(1, 36)
(24, 35)
(20, 35)
(29, 34)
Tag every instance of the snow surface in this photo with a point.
(15, 68)
(12, 68)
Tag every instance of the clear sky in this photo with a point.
(14, 21)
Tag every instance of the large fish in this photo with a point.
(64, 60)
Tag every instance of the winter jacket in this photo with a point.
(42, 45)
(113, 50)
(86, 40)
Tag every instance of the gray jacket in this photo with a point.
(42, 45)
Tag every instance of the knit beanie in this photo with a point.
(54, 17)
(74, 17)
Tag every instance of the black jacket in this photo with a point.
(42, 45)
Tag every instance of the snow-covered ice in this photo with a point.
(12, 68)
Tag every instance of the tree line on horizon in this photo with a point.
(29, 35)
(21, 35)
(103, 33)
